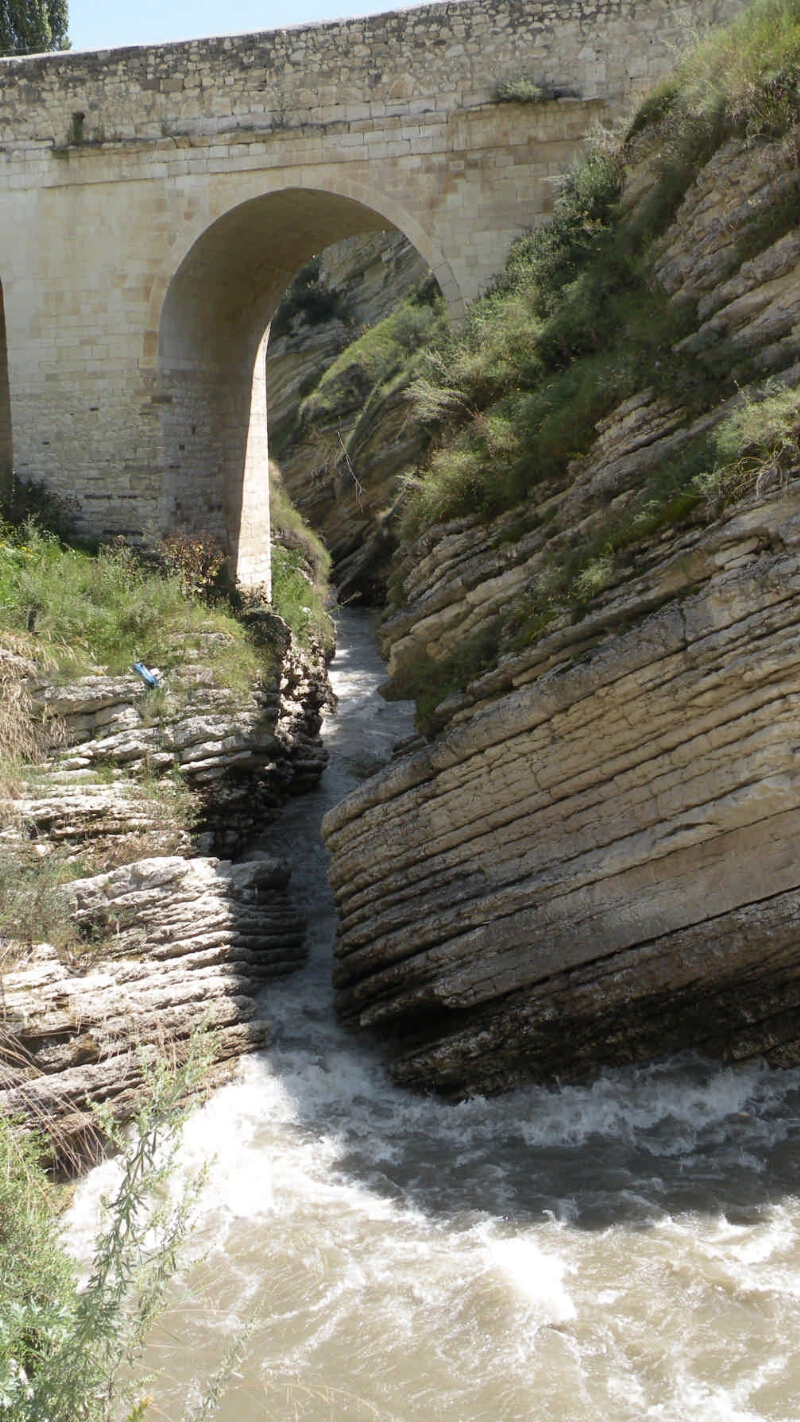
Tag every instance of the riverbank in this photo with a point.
(628, 1247)
(593, 860)
(125, 924)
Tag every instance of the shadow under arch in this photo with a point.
(212, 331)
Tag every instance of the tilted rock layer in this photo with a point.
(186, 943)
(344, 486)
(597, 860)
(176, 942)
(601, 864)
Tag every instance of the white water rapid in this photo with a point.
(623, 1250)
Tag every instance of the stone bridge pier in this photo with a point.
(155, 203)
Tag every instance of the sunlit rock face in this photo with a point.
(178, 937)
(596, 861)
(602, 863)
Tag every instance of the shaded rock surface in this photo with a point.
(603, 863)
(343, 486)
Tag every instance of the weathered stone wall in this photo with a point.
(405, 64)
(156, 203)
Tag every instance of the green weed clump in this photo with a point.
(522, 89)
(108, 610)
(309, 300)
(300, 569)
(378, 356)
(291, 531)
(31, 900)
(70, 1351)
(427, 680)
(757, 444)
(297, 599)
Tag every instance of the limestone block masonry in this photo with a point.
(156, 201)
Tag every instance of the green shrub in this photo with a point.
(380, 353)
(197, 560)
(290, 530)
(758, 442)
(31, 501)
(71, 1351)
(296, 599)
(300, 568)
(521, 90)
(751, 68)
(110, 610)
(31, 900)
(428, 680)
(309, 298)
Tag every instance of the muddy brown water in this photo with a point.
(619, 1250)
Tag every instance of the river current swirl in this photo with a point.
(620, 1250)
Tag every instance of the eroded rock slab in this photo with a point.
(175, 940)
(601, 861)
(185, 943)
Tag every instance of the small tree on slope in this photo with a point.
(33, 26)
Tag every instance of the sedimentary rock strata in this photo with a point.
(604, 862)
(597, 858)
(345, 485)
(242, 751)
(175, 941)
(182, 943)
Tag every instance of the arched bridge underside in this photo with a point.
(156, 202)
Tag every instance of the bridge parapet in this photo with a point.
(426, 61)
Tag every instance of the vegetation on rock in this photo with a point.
(301, 566)
(595, 323)
(70, 1350)
(578, 321)
(109, 609)
(96, 771)
(352, 332)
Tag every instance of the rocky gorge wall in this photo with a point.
(595, 860)
(339, 465)
(172, 935)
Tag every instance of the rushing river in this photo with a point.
(624, 1249)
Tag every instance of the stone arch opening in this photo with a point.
(212, 337)
(6, 442)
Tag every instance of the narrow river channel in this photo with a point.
(622, 1250)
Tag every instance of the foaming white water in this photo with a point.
(622, 1250)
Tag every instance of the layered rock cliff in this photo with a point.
(603, 862)
(595, 857)
(169, 937)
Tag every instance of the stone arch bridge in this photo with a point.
(155, 203)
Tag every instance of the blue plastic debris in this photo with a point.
(150, 678)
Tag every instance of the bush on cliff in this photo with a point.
(70, 1350)
(575, 323)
